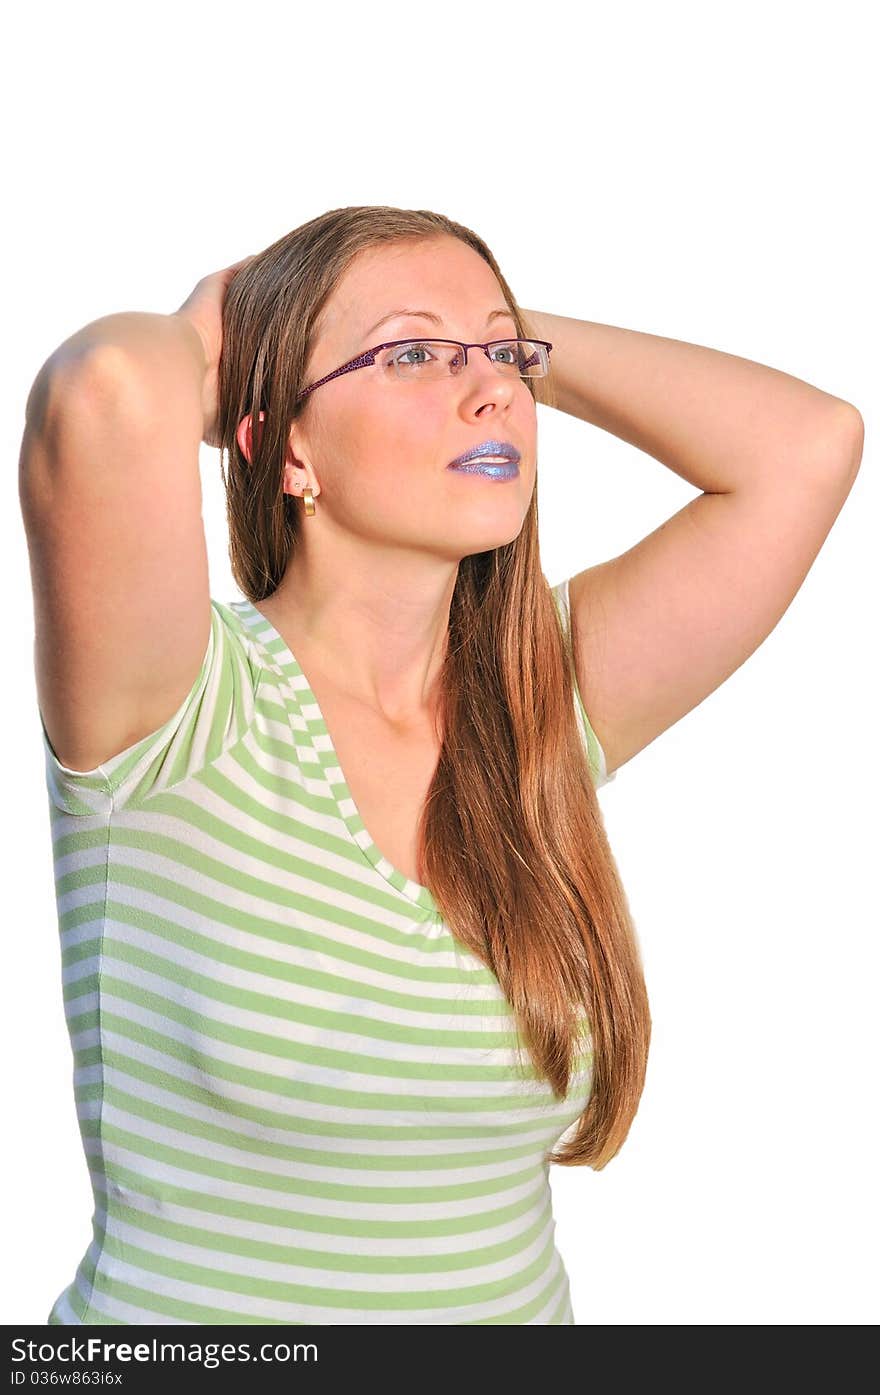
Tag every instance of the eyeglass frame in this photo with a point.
(367, 359)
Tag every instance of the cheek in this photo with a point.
(526, 409)
(414, 433)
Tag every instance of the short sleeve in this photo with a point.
(217, 712)
(595, 754)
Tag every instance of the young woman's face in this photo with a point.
(380, 446)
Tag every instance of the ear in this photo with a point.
(243, 435)
(291, 485)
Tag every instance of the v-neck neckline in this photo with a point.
(316, 726)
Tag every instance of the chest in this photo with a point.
(388, 773)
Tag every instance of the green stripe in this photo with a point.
(289, 934)
(561, 1311)
(150, 1304)
(287, 1152)
(525, 1313)
(82, 839)
(216, 952)
(128, 1179)
(243, 1248)
(277, 1291)
(247, 1039)
(425, 1128)
(285, 1085)
(224, 832)
(362, 1193)
(283, 1009)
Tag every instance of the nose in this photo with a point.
(483, 375)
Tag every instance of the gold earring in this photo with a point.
(309, 500)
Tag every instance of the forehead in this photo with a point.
(442, 274)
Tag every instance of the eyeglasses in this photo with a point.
(424, 360)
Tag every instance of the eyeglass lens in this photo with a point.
(426, 359)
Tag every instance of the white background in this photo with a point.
(701, 172)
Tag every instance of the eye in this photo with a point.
(509, 348)
(406, 354)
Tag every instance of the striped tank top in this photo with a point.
(299, 1096)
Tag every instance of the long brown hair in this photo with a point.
(513, 850)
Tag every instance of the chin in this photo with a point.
(489, 539)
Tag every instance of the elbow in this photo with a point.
(839, 444)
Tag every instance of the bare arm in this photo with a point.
(111, 500)
(659, 628)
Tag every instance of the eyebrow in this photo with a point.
(427, 315)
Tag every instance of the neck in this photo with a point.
(373, 623)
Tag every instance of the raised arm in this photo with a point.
(660, 627)
(111, 500)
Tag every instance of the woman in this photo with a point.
(347, 960)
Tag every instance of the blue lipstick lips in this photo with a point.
(491, 469)
(503, 448)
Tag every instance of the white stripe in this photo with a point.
(282, 1067)
(349, 1174)
(341, 1244)
(163, 1178)
(299, 1136)
(255, 1306)
(475, 1127)
(353, 994)
(316, 1275)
